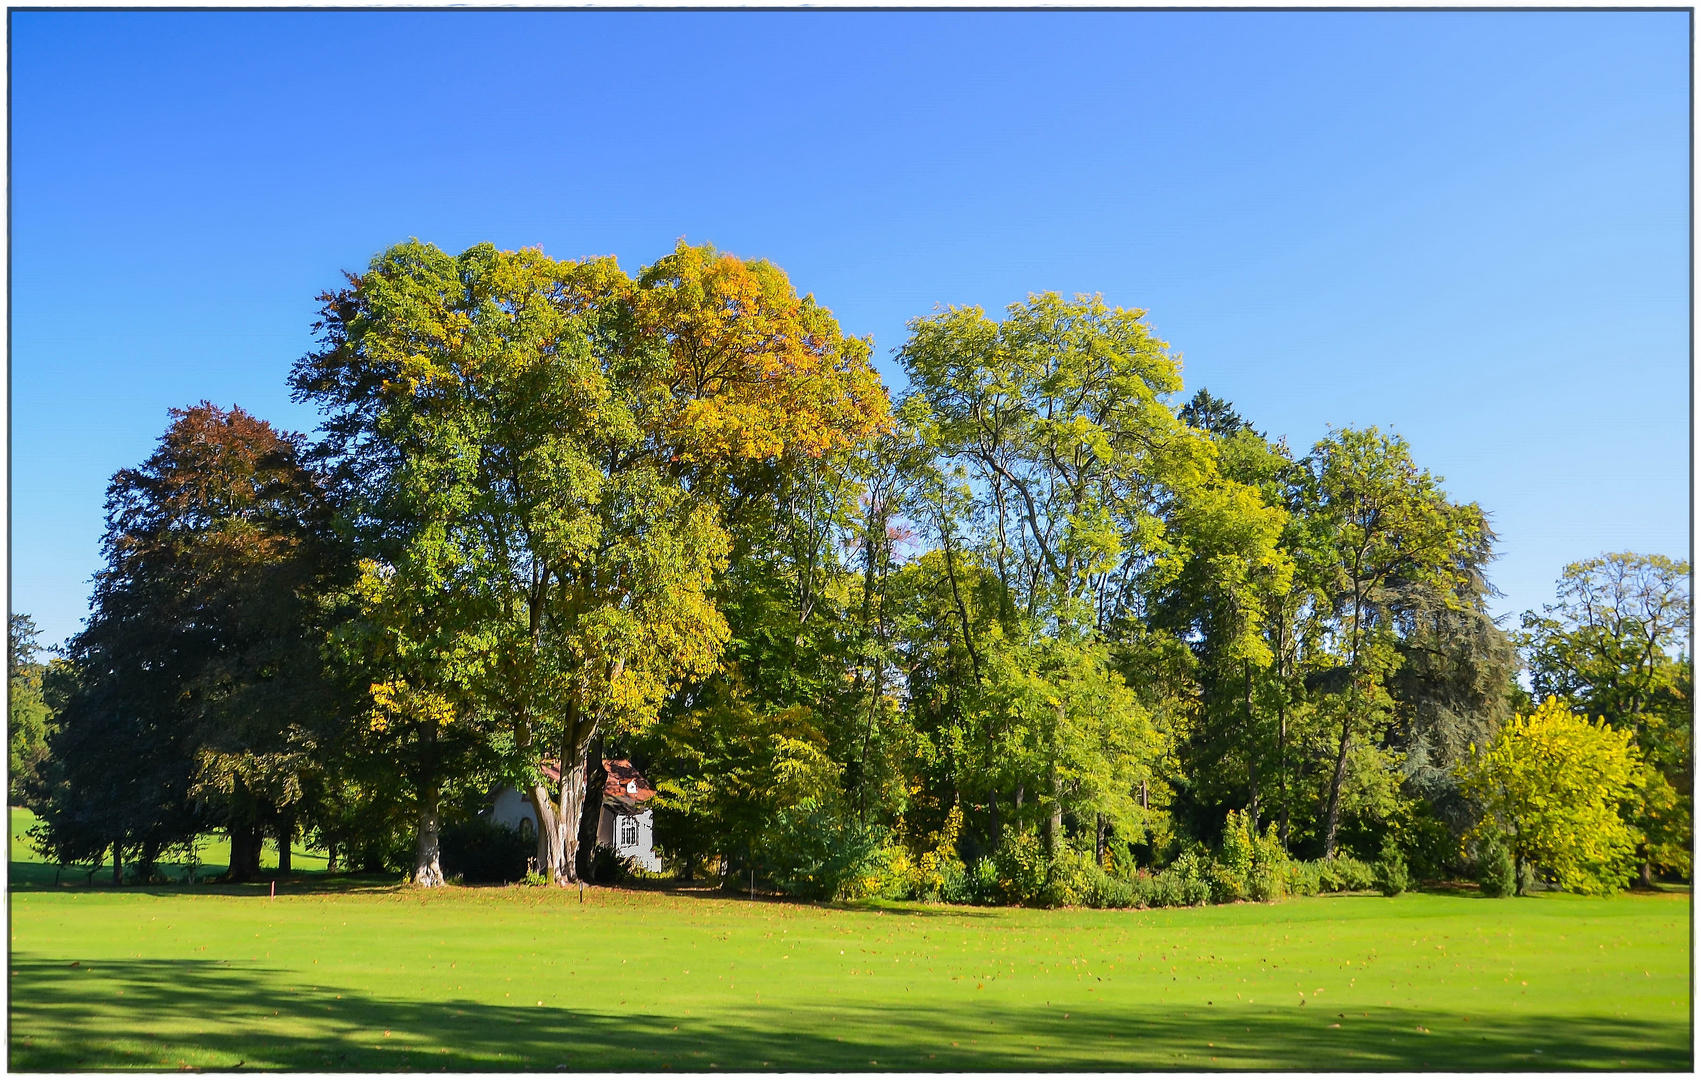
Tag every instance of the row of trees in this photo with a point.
(556, 511)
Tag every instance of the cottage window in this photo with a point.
(628, 832)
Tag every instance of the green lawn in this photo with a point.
(213, 852)
(343, 974)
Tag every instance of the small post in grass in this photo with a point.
(274, 889)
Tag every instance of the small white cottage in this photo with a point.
(627, 825)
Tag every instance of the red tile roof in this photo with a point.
(619, 774)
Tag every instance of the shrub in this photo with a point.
(1184, 883)
(940, 872)
(1343, 873)
(1266, 883)
(814, 853)
(607, 866)
(982, 882)
(481, 850)
(1101, 890)
(1495, 872)
(1024, 872)
(1249, 866)
(1391, 874)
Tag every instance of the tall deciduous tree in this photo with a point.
(534, 450)
(1384, 533)
(28, 715)
(194, 693)
(1089, 493)
(1616, 645)
(1557, 784)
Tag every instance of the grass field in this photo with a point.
(341, 974)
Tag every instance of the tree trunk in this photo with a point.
(590, 815)
(572, 806)
(549, 844)
(245, 841)
(1282, 769)
(427, 870)
(330, 856)
(1251, 752)
(286, 841)
(1098, 845)
(1252, 804)
(117, 863)
(1054, 820)
(1647, 874)
(148, 862)
(1332, 819)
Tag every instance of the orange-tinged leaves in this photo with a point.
(753, 369)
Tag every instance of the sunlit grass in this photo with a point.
(337, 974)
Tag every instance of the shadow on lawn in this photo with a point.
(218, 1015)
(34, 877)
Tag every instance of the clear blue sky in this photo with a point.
(1470, 228)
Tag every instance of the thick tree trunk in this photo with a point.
(1647, 874)
(1332, 818)
(245, 841)
(286, 841)
(117, 863)
(147, 862)
(331, 857)
(590, 815)
(549, 844)
(572, 808)
(427, 869)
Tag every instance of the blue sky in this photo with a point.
(1471, 228)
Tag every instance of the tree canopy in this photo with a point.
(1041, 629)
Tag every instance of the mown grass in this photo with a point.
(342, 974)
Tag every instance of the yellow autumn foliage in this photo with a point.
(1555, 784)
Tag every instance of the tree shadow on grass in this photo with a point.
(36, 877)
(197, 1013)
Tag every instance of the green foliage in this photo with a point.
(816, 852)
(29, 719)
(1615, 646)
(1496, 873)
(1042, 629)
(1392, 876)
(480, 850)
(1555, 783)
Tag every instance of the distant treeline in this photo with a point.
(1035, 631)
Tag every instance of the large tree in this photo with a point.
(30, 720)
(1383, 538)
(193, 695)
(1084, 494)
(534, 452)
(1616, 645)
(1556, 784)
